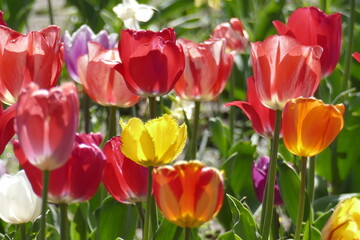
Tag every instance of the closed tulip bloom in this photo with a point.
(356, 55)
(344, 223)
(101, 82)
(188, 193)
(284, 69)
(310, 26)
(46, 122)
(234, 34)
(260, 171)
(76, 46)
(7, 130)
(261, 117)
(151, 62)
(207, 70)
(124, 179)
(78, 179)
(34, 57)
(309, 125)
(2, 21)
(19, 204)
(154, 143)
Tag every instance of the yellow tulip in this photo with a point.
(344, 223)
(154, 143)
(309, 125)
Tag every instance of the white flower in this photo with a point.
(131, 12)
(19, 204)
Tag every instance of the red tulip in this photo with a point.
(46, 122)
(7, 130)
(207, 70)
(261, 117)
(284, 69)
(77, 180)
(124, 179)
(310, 26)
(2, 21)
(151, 62)
(356, 55)
(34, 57)
(234, 33)
(101, 82)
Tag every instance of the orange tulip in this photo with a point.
(309, 125)
(188, 193)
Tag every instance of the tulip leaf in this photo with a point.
(322, 219)
(78, 227)
(310, 232)
(116, 220)
(230, 235)
(168, 230)
(220, 135)
(244, 224)
(328, 202)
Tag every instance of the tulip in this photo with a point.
(131, 13)
(2, 21)
(157, 142)
(261, 117)
(7, 130)
(284, 69)
(356, 55)
(259, 174)
(344, 222)
(77, 180)
(46, 122)
(309, 125)
(188, 193)
(124, 179)
(76, 45)
(19, 204)
(234, 33)
(34, 57)
(101, 82)
(152, 62)
(207, 69)
(310, 26)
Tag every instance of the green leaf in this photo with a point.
(229, 236)
(322, 219)
(78, 227)
(116, 220)
(310, 232)
(167, 230)
(325, 203)
(244, 224)
(219, 135)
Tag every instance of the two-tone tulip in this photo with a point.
(7, 130)
(188, 193)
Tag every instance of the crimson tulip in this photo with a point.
(2, 21)
(151, 62)
(284, 69)
(310, 26)
(124, 179)
(261, 117)
(207, 70)
(77, 180)
(7, 130)
(234, 33)
(34, 57)
(101, 82)
(356, 55)
(46, 122)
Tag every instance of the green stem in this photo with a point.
(178, 233)
(187, 234)
(301, 205)
(323, 5)
(112, 123)
(270, 182)
(232, 110)
(154, 217)
(45, 184)
(86, 111)
(193, 141)
(349, 46)
(148, 206)
(335, 178)
(311, 179)
(51, 15)
(152, 107)
(141, 215)
(23, 231)
(63, 221)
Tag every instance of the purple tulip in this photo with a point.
(76, 45)
(259, 174)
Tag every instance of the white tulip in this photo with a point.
(18, 202)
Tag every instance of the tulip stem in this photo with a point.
(324, 5)
(311, 179)
(193, 141)
(141, 214)
(23, 231)
(270, 181)
(45, 183)
(148, 206)
(63, 221)
(301, 205)
(86, 111)
(112, 123)
(51, 15)
(152, 107)
(187, 234)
